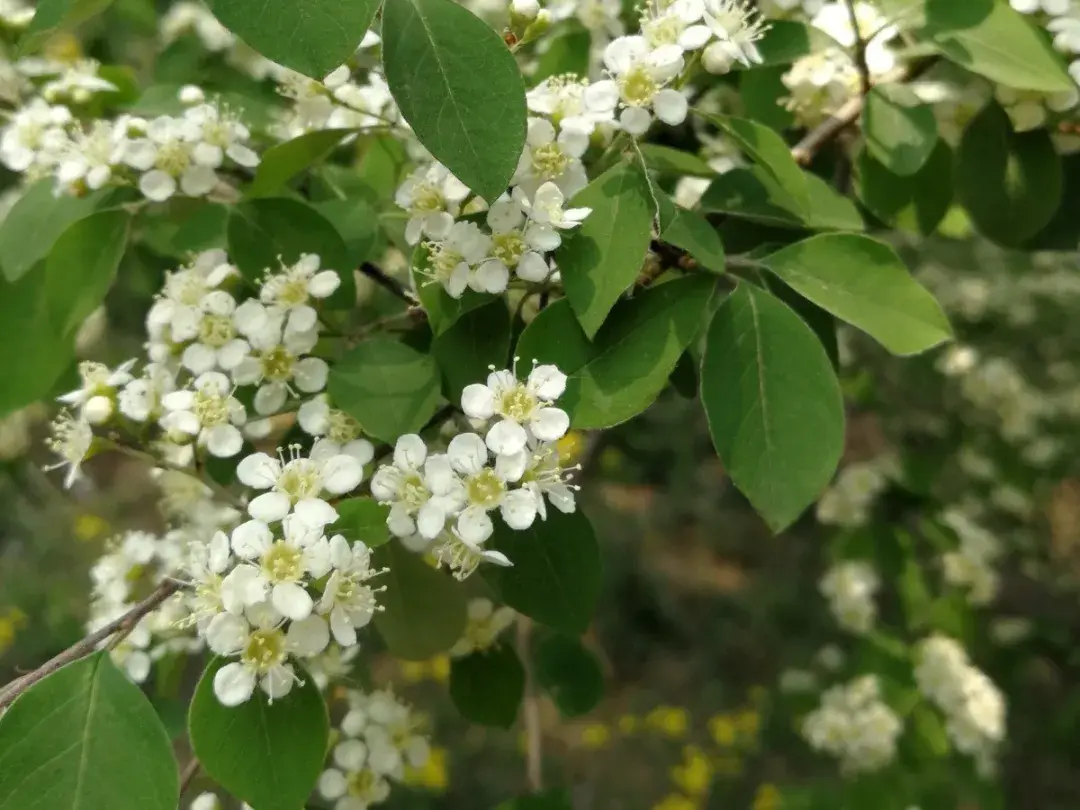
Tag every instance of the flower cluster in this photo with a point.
(855, 725)
(971, 565)
(848, 501)
(379, 737)
(485, 624)
(514, 469)
(973, 706)
(850, 588)
(339, 101)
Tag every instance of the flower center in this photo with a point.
(549, 161)
(507, 247)
(361, 783)
(265, 649)
(283, 563)
(662, 30)
(291, 291)
(211, 409)
(173, 158)
(413, 491)
(637, 87)
(427, 199)
(95, 377)
(300, 479)
(277, 364)
(216, 330)
(444, 260)
(342, 427)
(185, 288)
(485, 489)
(517, 404)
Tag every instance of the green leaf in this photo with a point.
(773, 404)
(674, 162)
(570, 674)
(268, 754)
(487, 687)
(601, 259)
(282, 162)
(312, 37)
(356, 223)
(458, 86)
(990, 38)
(263, 233)
(556, 574)
(551, 800)
(362, 519)
(389, 388)
(32, 353)
(36, 221)
(85, 738)
(753, 194)
(622, 371)
(690, 231)
(1010, 183)
(566, 53)
(424, 608)
(56, 15)
(477, 340)
(863, 281)
(82, 265)
(917, 203)
(900, 131)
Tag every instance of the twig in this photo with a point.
(534, 753)
(188, 775)
(848, 114)
(860, 49)
(392, 285)
(119, 627)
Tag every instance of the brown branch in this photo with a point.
(848, 114)
(118, 627)
(530, 709)
(391, 285)
(188, 775)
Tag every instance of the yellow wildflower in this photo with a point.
(433, 775)
(628, 724)
(89, 527)
(694, 775)
(440, 668)
(595, 736)
(723, 730)
(671, 721)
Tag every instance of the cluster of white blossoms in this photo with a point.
(971, 565)
(850, 587)
(850, 498)
(443, 500)
(855, 725)
(484, 626)
(973, 706)
(379, 738)
(1062, 19)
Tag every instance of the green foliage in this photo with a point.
(388, 387)
(312, 37)
(477, 340)
(285, 160)
(458, 87)
(690, 231)
(900, 131)
(85, 737)
(556, 576)
(569, 673)
(916, 203)
(551, 800)
(863, 282)
(268, 754)
(81, 267)
(603, 257)
(487, 687)
(627, 364)
(773, 404)
(58, 15)
(425, 608)
(362, 519)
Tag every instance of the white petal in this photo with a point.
(490, 277)
(198, 181)
(635, 120)
(292, 601)
(350, 755)
(342, 474)
(518, 509)
(324, 283)
(234, 684)
(258, 470)
(409, 452)
(467, 453)
(226, 634)
(506, 438)
(250, 539)
(547, 382)
(477, 401)
(198, 358)
(224, 441)
(695, 37)
(332, 784)
(242, 587)
(270, 506)
(474, 526)
(342, 628)
(315, 512)
(670, 106)
(549, 424)
(308, 637)
(511, 468)
(430, 520)
(270, 398)
(310, 373)
(532, 267)
(278, 682)
(601, 96)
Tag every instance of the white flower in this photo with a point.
(190, 16)
(277, 364)
(1027, 109)
(736, 26)
(855, 725)
(77, 82)
(1053, 8)
(547, 216)
(207, 411)
(509, 249)
(422, 490)
(347, 598)
(166, 158)
(218, 134)
(140, 399)
(290, 290)
(563, 100)
(639, 76)
(263, 648)
(278, 568)
(71, 440)
(543, 474)
(317, 418)
(1066, 31)
(95, 398)
(206, 566)
(520, 406)
(179, 306)
(462, 557)
(207, 800)
(486, 488)
(673, 24)
(432, 197)
(451, 261)
(352, 785)
(212, 328)
(850, 588)
(35, 135)
(300, 482)
(91, 156)
(835, 20)
(553, 157)
(485, 624)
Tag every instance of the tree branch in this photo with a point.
(391, 285)
(860, 49)
(188, 775)
(534, 753)
(848, 114)
(118, 627)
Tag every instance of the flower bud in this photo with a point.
(191, 94)
(525, 9)
(98, 410)
(716, 58)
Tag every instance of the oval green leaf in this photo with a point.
(82, 265)
(900, 131)
(480, 338)
(268, 754)
(556, 573)
(570, 674)
(601, 260)
(863, 281)
(423, 609)
(459, 87)
(487, 687)
(284, 161)
(773, 404)
(362, 519)
(86, 738)
(312, 37)
(388, 387)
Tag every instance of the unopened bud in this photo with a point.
(190, 94)
(98, 410)
(525, 9)
(716, 58)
